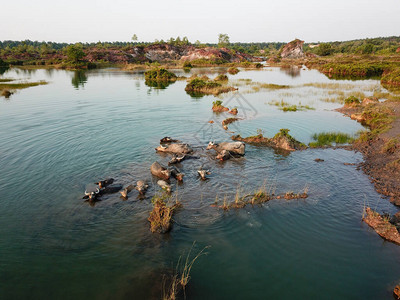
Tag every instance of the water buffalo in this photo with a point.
(234, 148)
(160, 171)
(175, 148)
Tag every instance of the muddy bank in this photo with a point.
(382, 226)
(381, 145)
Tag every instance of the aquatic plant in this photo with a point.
(181, 278)
(327, 138)
(289, 108)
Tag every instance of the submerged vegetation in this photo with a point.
(259, 196)
(285, 106)
(181, 278)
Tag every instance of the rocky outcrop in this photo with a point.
(166, 52)
(294, 49)
(282, 141)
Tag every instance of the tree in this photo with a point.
(324, 49)
(134, 38)
(223, 40)
(75, 52)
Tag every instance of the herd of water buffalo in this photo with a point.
(180, 152)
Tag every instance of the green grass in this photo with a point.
(6, 79)
(327, 138)
(289, 108)
(22, 85)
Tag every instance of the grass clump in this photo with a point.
(327, 138)
(378, 118)
(161, 216)
(233, 70)
(198, 85)
(221, 78)
(272, 86)
(159, 74)
(352, 100)
(6, 79)
(289, 108)
(391, 145)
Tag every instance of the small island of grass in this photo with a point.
(207, 87)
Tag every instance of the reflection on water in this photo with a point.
(55, 140)
(3, 70)
(292, 71)
(158, 84)
(79, 79)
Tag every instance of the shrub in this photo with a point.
(159, 75)
(187, 64)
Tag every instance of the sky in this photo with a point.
(244, 21)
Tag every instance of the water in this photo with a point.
(57, 139)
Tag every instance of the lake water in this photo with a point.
(58, 139)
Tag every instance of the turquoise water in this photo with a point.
(57, 139)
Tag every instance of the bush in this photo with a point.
(187, 64)
(159, 75)
(75, 52)
(324, 49)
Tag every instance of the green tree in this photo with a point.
(134, 38)
(75, 52)
(223, 40)
(324, 49)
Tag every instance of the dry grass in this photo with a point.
(161, 216)
(180, 280)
